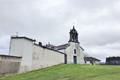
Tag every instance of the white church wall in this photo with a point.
(57, 58)
(70, 53)
(23, 48)
(43, 57)
(16, 47)
(37, 57)
(34, 56)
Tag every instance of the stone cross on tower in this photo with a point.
(73, 36)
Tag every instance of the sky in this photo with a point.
(97, 22)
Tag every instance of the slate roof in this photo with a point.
(91, 59)
(60, 47)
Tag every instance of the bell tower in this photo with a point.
(74, 52)
(73, 35)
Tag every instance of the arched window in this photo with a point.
(74, 51)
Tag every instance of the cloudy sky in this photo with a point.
(97, 22)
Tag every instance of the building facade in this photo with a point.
(113, 60)
(33, 55)
(74, 53)
(36, 56)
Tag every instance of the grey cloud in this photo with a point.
(4, 44)
(102, 52)
(100, 36)
(92, 4)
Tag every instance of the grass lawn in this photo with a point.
(70, 72)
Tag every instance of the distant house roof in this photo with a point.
(91, 59)
(23, 37)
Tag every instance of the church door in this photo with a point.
(75, 59)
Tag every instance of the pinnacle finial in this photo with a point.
(74, 28)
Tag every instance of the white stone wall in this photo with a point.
(34, 56)
(23, 48)
(9, 64)
(43, 57)
(70, 53)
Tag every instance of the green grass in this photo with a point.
(70, 72)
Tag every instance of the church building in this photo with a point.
(74, 53)
(25, 54)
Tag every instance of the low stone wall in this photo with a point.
(9, 64)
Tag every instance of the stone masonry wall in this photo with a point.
(9, 64)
